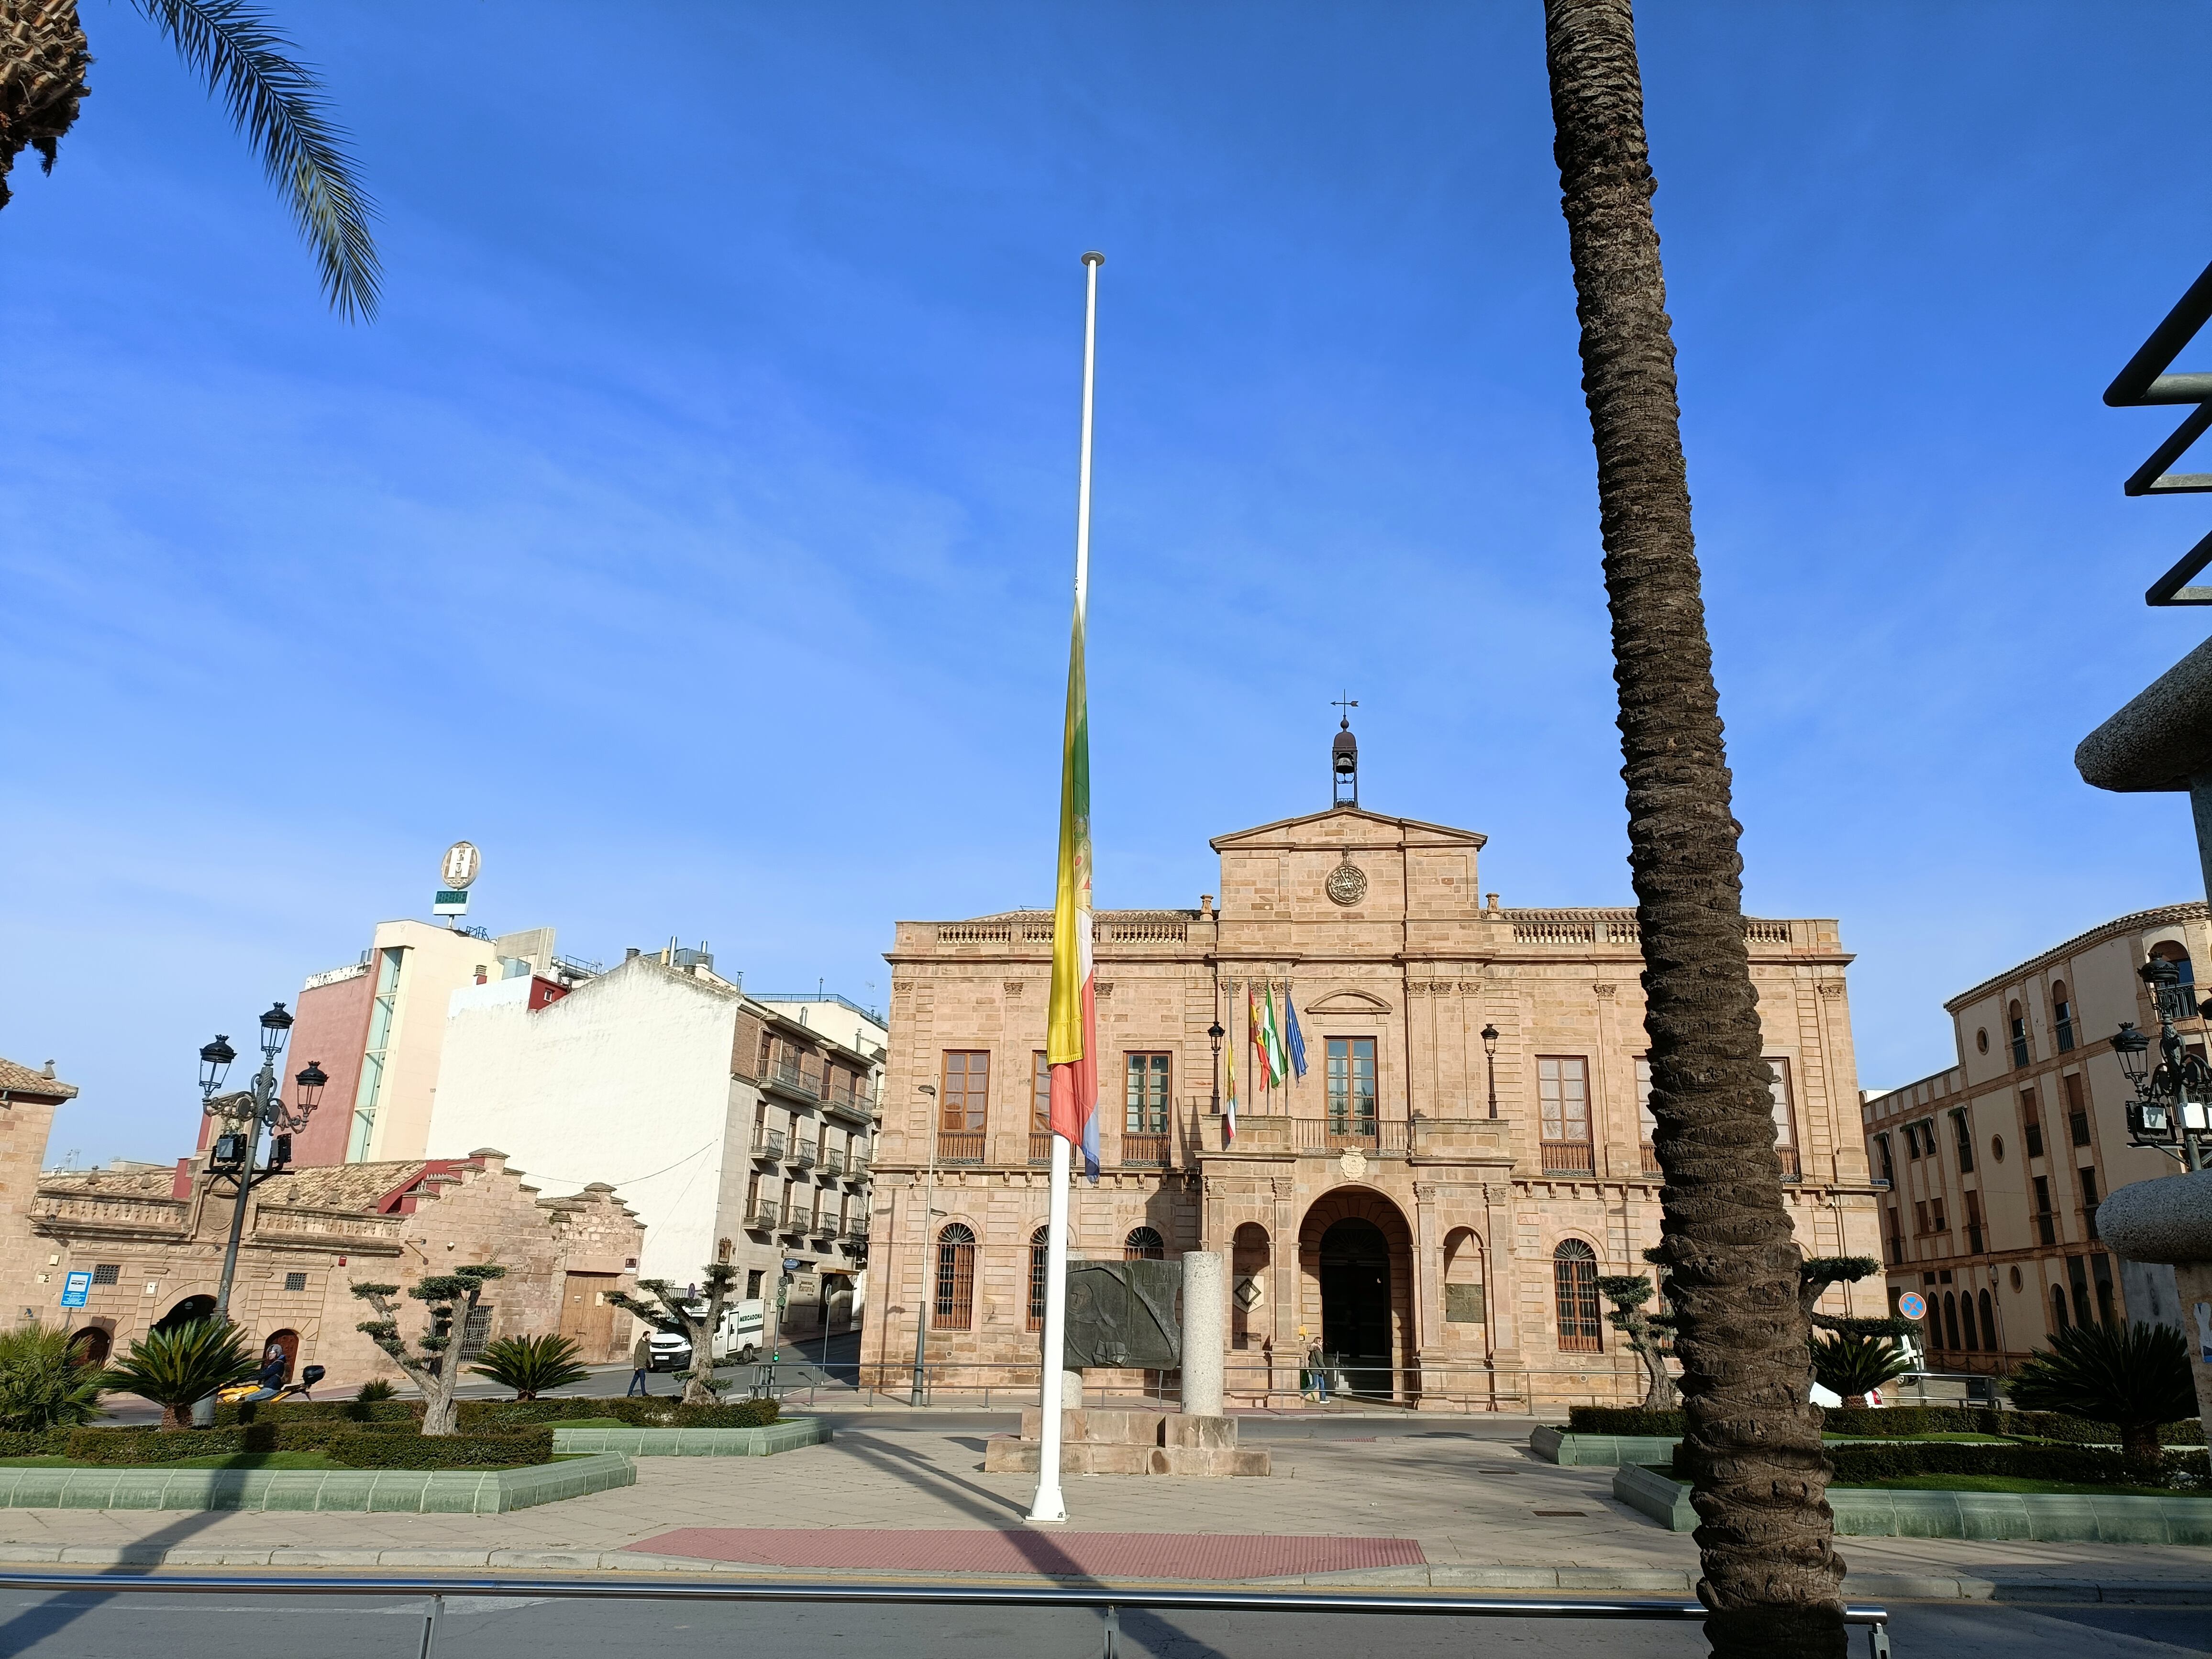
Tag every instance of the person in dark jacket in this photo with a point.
(640, 1356)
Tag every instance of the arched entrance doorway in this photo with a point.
(1355, 1257)
(90, 1346)
(189, 1311)
(1355, 1304)
(286, 1343)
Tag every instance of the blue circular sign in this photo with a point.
(1911, 1306)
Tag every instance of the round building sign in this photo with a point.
(461, 865)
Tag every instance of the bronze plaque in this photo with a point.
(1123, 1315)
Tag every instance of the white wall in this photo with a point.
(625, 1080)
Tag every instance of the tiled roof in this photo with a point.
(126, 1183)
(23, 1081)
(340, 1186)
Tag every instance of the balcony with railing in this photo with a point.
(856, 1104)
(1569, 1157)
(833, 1161)
(766, 1215)
(767, 1144)
(856, 1164)
(1040, 1146)
(803, 1154)
(856, 1229)
(1351, 1132)
(1650, 1159)
(959, 1145)
(1787, 1156)
(2046, 1228)
(788, 1077)
(1143, 1151)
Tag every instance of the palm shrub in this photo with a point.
(376, 1388)
(530, 1365)
(176, 1368)
(2135, 1376)
(42, 1385)
(1853, 1363)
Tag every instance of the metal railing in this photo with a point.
(1108, 1601)
(1569, 1158)
(1039, 1146)
(1788, 1157)
(833, 1164)
(796, 1078)
(1141, 1152)
(959, 1146)
(802, 1154)
(765, 1214)
(767, 1143)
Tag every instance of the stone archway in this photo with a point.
(1355, 1257)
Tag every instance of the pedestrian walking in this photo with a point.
(1317, 1368)
(642, 1358)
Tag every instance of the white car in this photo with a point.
(740, 1339)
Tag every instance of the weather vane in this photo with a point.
(1346, 704)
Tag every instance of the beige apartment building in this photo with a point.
(1997, 1164)
(1433, 1201)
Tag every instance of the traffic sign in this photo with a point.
(1911, 1306)
(75, 1289)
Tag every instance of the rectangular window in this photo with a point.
(106, 1272)
(295, 1281)
(962, 1092)
(1562, 1095)
(1935, 1216)
(381, 1012)
(1920, 1216)
(1888, 1165)
(2078, 1107)
(2063, 1024)
(2077, 1280)
(1896, 1238)
(1974, 1224)
(2089, 1202)
(753, 1284)
(477, 1332)
(1785, 1118)
(1145, 1101)
(1352, 1086)
(2018, 1026)
(1040, 1092)
(2030, 1123)
(2046, 1226)
(1963, 1132)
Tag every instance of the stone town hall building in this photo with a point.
(1433, 1201)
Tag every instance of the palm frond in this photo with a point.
(278, 104)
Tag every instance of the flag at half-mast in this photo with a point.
(1071, 1024)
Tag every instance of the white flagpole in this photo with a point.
(1049, 1505)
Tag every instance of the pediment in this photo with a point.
(1348, 1002)
(1347, 826)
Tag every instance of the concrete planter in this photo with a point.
(1600, 1450)
(2040, 1517)
(788, 1434)
(421, 1492)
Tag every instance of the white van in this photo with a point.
(741, 1338)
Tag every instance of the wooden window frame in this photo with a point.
(1141, 1070)
(952, 1288)
(1575, 1299)
(1341, 1057)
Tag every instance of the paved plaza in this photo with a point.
(1462, 1499)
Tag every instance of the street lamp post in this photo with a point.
(2173, 1099)
(237, 1151)
(1213, 1035)
(928, 1263)
(1490, 1063)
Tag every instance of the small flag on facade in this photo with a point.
(1297, 1038)
(1229, 1107)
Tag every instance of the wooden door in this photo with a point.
(588, 1317)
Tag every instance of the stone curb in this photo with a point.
(1591, 1580)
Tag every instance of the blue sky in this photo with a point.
(693, 530)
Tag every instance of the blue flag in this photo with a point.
(1297, 1038)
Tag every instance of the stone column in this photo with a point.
(2169, 1219)
(1205, 1330)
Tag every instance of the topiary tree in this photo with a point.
(178, 1368)
(1646, 1333)
(1816, 1274)
(530, 1365)
(2135, 1375)
(671, 1311)
(434, 1364)
(1853, 1365)
(42, 1385)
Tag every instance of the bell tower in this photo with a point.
(1344, 756)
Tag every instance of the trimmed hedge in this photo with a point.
(1894, 1420)
(319, 1411)
(365, 1450)
(34, 1443)
(2082, 1466)
(397, 1446)
(1621, 1420)
(661, 1413)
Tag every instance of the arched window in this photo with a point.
(2016, 1027)
(1037, 1242)
(1144, 1244)
(2062, 1016)
(1574, 1288)
(2175, 953)
(1951, 1322)
(1989, 1324)
(953, 1307)
(2057, 1308)
(1966, 1325)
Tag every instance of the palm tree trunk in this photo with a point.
(43, 59)
(1752, 1439)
